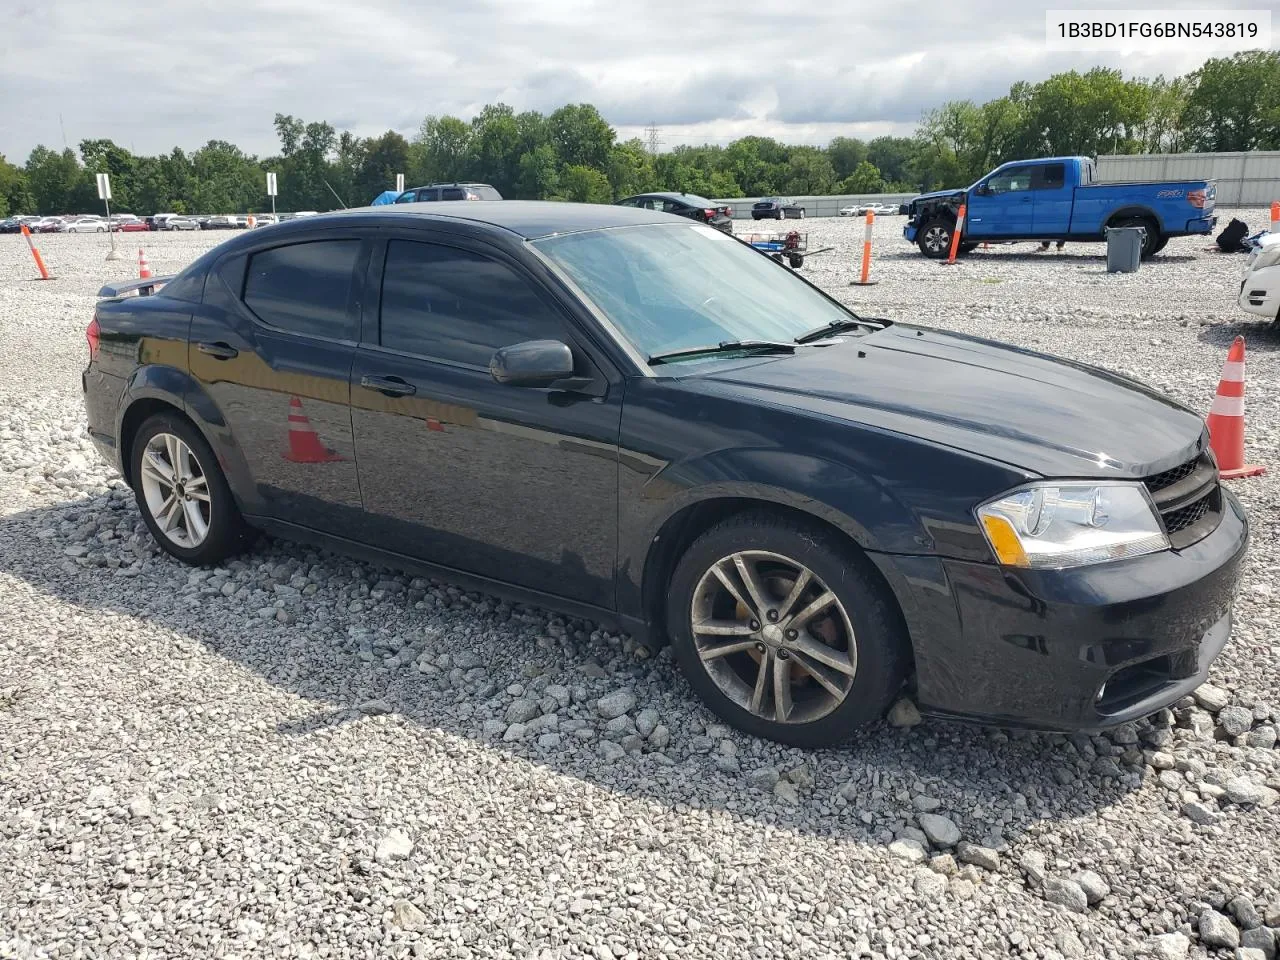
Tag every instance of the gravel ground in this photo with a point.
(298, 755)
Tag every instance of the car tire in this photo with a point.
(934, 238)
(782, 214)
(860, 643)
(1159, 245)
(220, 530)
(1150, 239)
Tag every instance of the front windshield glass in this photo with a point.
(668, 287)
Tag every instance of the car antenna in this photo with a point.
(334, 192)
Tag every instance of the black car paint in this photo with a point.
(892, 438)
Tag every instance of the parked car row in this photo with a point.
(129, 223)
(862, 209)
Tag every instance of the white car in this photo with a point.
(1260, 288)
(83, 225)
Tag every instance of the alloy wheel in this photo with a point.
(937, 239)
(773, 637)
(176, 490)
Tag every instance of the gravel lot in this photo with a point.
(299, 755)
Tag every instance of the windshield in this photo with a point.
(666, 287)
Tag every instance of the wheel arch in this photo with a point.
(1136, 210)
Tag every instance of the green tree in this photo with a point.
(15, 192)
(1235, 103)
(866, 179)
(495, 142)
(847, 154)
(381, 159)
(890, 155)
(580, 136)
(538, 176)
(446, 148)
(808, 172)
(583, 184)
(54, 179)
(630, 169)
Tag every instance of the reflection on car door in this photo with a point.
(272, 346)
(515, 484)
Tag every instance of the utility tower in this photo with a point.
(653, 139)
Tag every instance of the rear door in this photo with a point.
(1005, 208)
(1051, 200)
(272, 346)
(515, 484)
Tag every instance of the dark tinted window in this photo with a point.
(1050, 177)
(456, 305)
(407, 197)
(305, 287)
(453, 193)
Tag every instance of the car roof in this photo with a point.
(529, 219)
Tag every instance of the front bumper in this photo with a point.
(1260, 292)
(909, 232)
(1081, 649)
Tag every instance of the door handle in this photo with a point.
(218, 350)
(391, 386)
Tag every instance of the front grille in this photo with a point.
(1188, 499)
(1170, 477)
(1176, 520)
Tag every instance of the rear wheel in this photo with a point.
(782, 214)
(183, 493)
(783, 630)
(1158, 246)
(1151, 239)
(934, 238)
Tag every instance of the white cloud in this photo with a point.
(703, 70)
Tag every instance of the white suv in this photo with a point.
(1260, 289)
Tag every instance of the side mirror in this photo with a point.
(982, 190)
(533, 363)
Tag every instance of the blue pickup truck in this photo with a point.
(1058, 198)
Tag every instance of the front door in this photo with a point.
(1004, 207)
(272, 346)
(511, 483)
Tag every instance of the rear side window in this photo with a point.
(305, 287)
(456, 305)
(453, 193)
(1051, 176)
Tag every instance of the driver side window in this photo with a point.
(1011, 181)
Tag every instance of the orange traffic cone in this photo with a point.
(1226, 418)
(144, 270)
(304, 442)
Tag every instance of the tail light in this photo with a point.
(710, 213)
(93, 333)
(1196, 198)
(727, 211)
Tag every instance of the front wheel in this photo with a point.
(183, 493)
(784, 630)
(934, 239)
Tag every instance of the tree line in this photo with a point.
(1230, 103)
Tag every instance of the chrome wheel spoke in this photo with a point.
(157, 469)
(824, 676)
(797, 589)
(171, 445)
(782, 690)
(194, 520)
(752, 582)
(728, 583)
(722, 628)
(171, 515)
(815, 607)
(762, 682)
(713, 651)
(809, 648)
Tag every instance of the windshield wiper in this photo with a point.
(727, 346)
(839, 326)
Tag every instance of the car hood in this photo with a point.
(937, 195)
(1045, 415)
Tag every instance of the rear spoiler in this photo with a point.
(144, 287)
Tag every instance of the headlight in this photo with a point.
(1070, 524)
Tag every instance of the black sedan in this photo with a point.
(684, 205)
(637, 419)
(776, 208)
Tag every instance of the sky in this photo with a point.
(183, 73)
